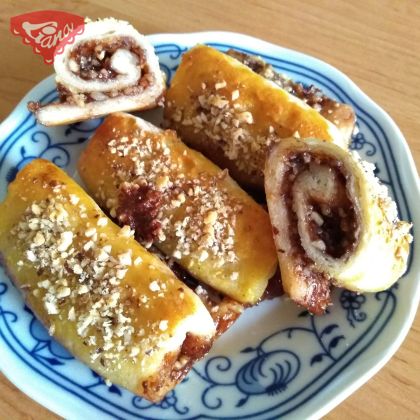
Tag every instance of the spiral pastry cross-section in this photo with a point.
(333, 222)
(110, 67)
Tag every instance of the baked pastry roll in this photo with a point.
(333, 222)
(110, 302)
(109, 67)
(176, 199)
(225, 110)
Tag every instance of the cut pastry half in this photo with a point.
(109, 67)
(333, 222)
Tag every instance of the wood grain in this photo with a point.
(376, 43)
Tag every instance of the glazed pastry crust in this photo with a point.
(334, 223)
(211, 227)
(222, 108)
(341, 115)
(164, 325)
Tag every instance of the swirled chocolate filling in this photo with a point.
(331, 221)
(91, 60)
(93, 57)
(329, 217)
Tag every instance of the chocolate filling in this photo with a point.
(339, 225)
(139, 208)
(336, 227)
(274, 287)
(93, 57)
(338, 231)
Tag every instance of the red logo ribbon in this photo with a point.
(45, 29)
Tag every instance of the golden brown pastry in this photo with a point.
(341, 115)
(333, 222)
(223, 309)
(182, 203)
(225, 110)
(110, 302)
(109, 67)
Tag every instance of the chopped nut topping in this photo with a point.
(50, 307)
(72, 314)
(235, 95)
(125, 259)
(162, 182)
(45, 284)
(90, 232)
(154, 286)
(228, 123)
(83, 289)
(77, 269)
(158, 186)
(203, 255)
(30, 256)
(163, 325)
(74, 199)
(246, 116)
(210, 217)
(66, 239)
(39, 239)
(102, 221)
(234, 276)
(126, 232)
(177, 254)
(88, 245)
(84, 278)
(134, 352)
(36, 210)
(63, 292)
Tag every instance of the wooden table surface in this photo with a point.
(376, 43)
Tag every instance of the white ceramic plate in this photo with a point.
(276, 360)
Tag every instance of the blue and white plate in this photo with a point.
(276, 360)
